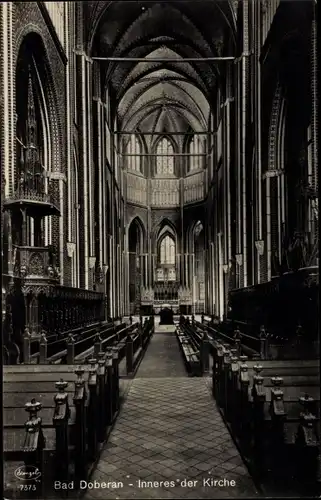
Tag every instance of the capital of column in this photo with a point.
(242, 56)
(239, 259)
(84, 55)
(57, 176)
(92, 262)
(272, 173)
(71, 247)
(259, 244)
(98, 99)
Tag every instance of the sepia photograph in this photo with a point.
(160, 249)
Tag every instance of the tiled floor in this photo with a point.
(169, 431)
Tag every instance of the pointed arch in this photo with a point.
(195, 148)
(32, 49)
(158, 138)
(165, 228)
(165, 225)
(137, 229)
(191, 234)
(136, 245)
(167, 249)
(34, 88)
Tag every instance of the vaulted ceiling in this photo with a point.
(163, 93)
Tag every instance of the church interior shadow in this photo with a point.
(166, 316)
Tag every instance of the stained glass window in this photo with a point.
(195, 148)
(133, 148)
(164, 164)
(167, 251)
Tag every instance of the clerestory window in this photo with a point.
(195, 150)
(165, 157)
(134, 151)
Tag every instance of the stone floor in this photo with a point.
(169, 440)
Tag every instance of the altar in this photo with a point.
(164, 295)
(166, 316)
(158, 305)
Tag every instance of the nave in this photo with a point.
(169, 429)
(141, 400)
(159, 180)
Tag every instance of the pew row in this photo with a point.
(74, 348)
(54, 349)
(68, 422)
(194, 346)
(189, 353)
(272, 409)
(256, 341)
(72, 409)
(254, 347)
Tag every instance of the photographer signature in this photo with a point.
(27, 473)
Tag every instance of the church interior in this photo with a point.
(160, 249)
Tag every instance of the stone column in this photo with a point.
(91, 169)
(241, 141)
(7, 91)
(84, 178)
(314, 122)
(314, 97)
(100, 166)
(113, 237)
(258, 236)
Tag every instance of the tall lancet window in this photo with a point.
(195, 149)
(165, 157)
(167, 251)
(133, 148)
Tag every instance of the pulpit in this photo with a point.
(35, 271)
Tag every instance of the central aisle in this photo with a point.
(163, 358)
(170, 431)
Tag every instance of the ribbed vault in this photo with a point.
(167, 95)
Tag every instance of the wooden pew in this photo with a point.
(49, 349)
(73, 406)
(254, 347)
(190, 356)
(71, 349)
(261, 402)
(99, 341)
(131, 342)
(72, 417)
(136, 344)
(268, 345)
(194, 346)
